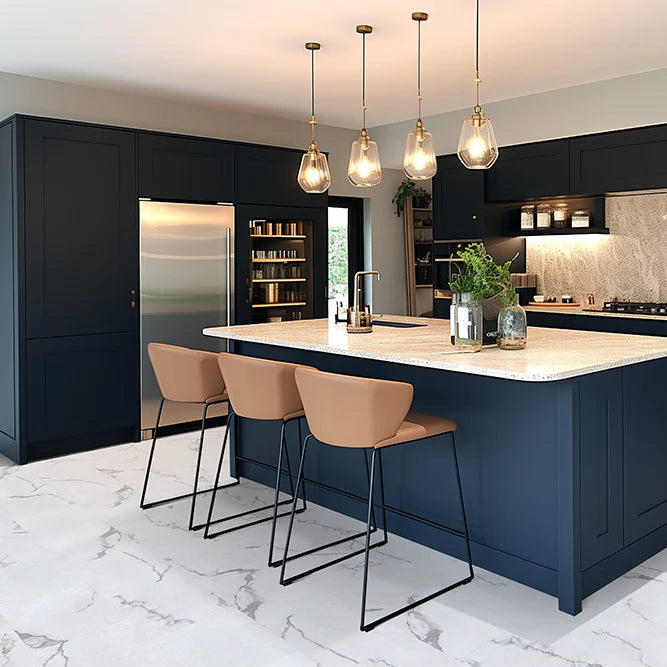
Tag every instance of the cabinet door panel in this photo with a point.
(529, 171)
(644, 448)
(268, 176)
(182, 169)
(619, 161)
(80, 385)
(82, 229)
(601, 466)
(458, 201)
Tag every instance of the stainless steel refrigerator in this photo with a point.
(186, 285)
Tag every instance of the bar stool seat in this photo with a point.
(371, 415)
(417, 426)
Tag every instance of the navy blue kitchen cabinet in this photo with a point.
(530, 171)
(458, 201)
(266, 175)
(608, 323)
(81, 223)
(619, 161)
(185, 168)
(70, 326)
(601, 456)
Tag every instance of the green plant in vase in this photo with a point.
(421, 198)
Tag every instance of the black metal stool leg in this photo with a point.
(463, 508)
(191, 525)
(364, 588)
(217, 474)
(373, 624)
(142, 503)
(299, 478)
(274, 515)
(275, 501)
(300, 452)
(384, 513)
(285, 581)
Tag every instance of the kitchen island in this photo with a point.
(562, 445)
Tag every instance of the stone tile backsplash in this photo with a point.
(630, 263)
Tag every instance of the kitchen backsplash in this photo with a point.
(630, 263)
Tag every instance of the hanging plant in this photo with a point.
(405, 189)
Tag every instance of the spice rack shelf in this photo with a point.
(282, 259)
(555, 231)
(279, 280)
(279, 305)
(277, 236)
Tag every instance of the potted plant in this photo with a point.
(485, 283)
(421, 198)
(405, 189)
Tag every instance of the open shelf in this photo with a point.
(279, 280)
(282, 259)
(277, 236)
(566, 231)
(287, 304)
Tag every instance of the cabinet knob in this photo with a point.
(474, 217)
(133, 299)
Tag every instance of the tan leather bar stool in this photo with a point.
(263, 390)
(376, 417)
(185, 376)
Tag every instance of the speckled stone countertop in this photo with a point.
(551, 354)
(580, 310)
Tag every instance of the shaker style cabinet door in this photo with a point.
(458, 201)
(81, 229)
(532, 170)
(268, 176)
(82, 386)
(619, 161)
(185, 169)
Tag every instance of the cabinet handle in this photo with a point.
(133, 299)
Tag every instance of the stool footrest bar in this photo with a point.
(369, 626)
(166, 501)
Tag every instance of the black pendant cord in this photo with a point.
(363, 80)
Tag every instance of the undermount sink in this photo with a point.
(398, 325)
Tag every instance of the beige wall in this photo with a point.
(19, 94)
(629, 101)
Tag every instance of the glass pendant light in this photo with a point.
(478, 148)
(314, 176)
(419, 159)
(363, 169)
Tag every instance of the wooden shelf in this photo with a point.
(277, 236)
(421, 209)
(278, 280)
(282, 259)
(420, 285)
(279, 305)
(554, 231)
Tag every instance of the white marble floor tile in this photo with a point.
(86, 577)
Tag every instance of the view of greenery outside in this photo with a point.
(338, 252)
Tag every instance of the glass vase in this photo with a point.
(512, 327)
(468, 323)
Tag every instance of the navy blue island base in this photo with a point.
(564, 481)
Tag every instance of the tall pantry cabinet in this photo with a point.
(69, 256)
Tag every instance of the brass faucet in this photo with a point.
(359, 318)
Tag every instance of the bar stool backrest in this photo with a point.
(350, 411)
(260, 388)
(185, 375)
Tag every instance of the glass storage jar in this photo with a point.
(561, 212)
(512, 327)
(528, 216)
(543, 216)
(468, 323)
(581, 219)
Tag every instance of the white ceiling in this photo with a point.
(249, 55)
